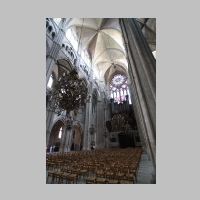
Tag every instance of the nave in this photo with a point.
(100, 100)
(105, 166)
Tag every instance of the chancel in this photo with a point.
(100, 100)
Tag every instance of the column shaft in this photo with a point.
(142, 72)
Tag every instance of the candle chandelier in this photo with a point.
(68, 94)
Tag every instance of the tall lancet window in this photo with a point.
(60, 133)
(119, 88)
(50, 82)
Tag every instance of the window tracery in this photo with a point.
(119, 88)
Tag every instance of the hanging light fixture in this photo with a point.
(69, 93)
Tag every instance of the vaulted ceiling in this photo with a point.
(102, 39)
(148, 26)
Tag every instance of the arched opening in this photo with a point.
(50, 82)
(113, 70)
(119, 90)
(122, 126)
(55, 137)
(93, 127)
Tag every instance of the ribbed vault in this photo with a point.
(102, 39)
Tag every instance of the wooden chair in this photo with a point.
(64, 177)
(57, 177)
(50, 175)
(125, 182)
(100, 180)
(90, 180)
(72, 178)
(112, 181)
(130, 177)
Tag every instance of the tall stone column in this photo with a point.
(106, 117)
(68, 140)
(137, 112)
(88, 114)
(100, 124)
(142, 72)
(49, 121)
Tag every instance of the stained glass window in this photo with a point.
(118, 80)
(50, 82)
(119, 88)
(60, 133)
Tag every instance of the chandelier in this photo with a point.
(69, 93)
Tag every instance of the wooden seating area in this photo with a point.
(106, 166)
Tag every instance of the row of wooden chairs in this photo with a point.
(100, 166)
(60, 177)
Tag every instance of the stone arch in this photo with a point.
(64, 65)
(62, 57)
(112, 71)
(53, 139)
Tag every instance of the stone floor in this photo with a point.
(145, 171)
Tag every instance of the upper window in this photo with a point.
(118, 80)
(50, 82)
(60, 133)
(119, 88)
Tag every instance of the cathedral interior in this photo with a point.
(100, 100)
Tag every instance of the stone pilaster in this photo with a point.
(88, 114)
(68, 140)
(142, 72)
(100, 141)
(49, 121)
